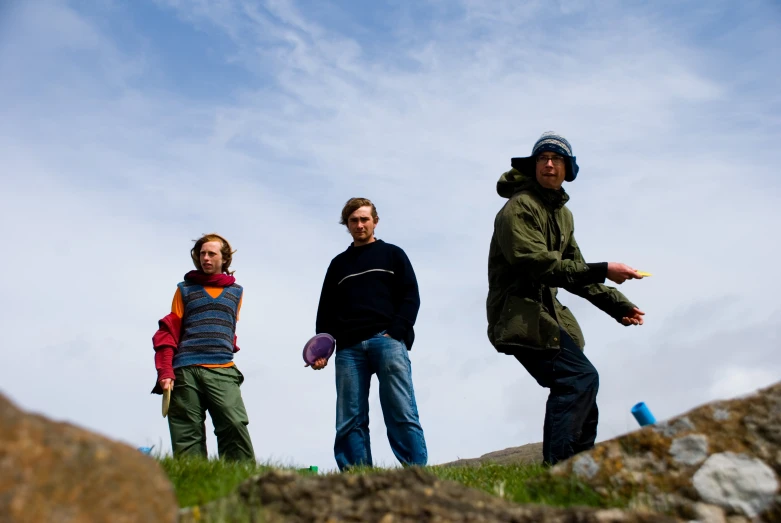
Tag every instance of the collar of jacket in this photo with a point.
(553, 199)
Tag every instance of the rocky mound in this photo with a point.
(718, 461)
(56, 472)
(401, 495)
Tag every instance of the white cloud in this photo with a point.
(735, 380)
(106, 182)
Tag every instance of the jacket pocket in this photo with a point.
(524, 322)
(570, 324)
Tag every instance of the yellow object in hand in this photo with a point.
(641, 273)
(166, 400)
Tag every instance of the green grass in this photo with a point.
(198, 481)
(524, 484)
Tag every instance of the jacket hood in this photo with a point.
(514, 181)
(519, 179)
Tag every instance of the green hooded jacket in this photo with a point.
(533, 253)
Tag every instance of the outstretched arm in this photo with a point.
(523, 243)
(607, 299)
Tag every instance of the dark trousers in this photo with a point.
(571, 413)
(216, 390)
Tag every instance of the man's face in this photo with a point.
(551, 170)
(211, 257)
(361, 225)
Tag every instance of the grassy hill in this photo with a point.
(198, 481)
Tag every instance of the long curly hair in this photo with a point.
(226, 250)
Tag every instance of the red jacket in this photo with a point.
(166, 342)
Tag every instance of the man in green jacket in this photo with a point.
(533, 253)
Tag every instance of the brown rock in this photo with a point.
(724, 454)
(529, 454)
(58, 473)
(395, 496)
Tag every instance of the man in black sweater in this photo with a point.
(369, 303)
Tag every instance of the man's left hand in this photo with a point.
(635, 317)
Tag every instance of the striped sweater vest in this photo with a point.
(208, 325)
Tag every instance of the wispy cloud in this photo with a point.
(119, 148)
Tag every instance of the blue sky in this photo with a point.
(130, 129)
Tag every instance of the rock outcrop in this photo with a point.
(718, 462)
(530, 454)
(59, 473)
(395, 496)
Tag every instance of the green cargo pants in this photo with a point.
(200, 389)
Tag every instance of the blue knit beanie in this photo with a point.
(555, 143)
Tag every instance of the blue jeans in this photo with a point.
(388, 358)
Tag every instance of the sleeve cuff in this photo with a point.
(396, 332)
(166, 374)
(164, 363)
(597, 272)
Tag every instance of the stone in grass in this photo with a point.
(736, 481)
(57, 472)
(585, 467)
(690, 450)
(674, 427)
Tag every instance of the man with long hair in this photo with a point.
(194, 350)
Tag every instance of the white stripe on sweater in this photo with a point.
(364, 272)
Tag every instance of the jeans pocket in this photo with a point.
(384, 336)
(240, 376)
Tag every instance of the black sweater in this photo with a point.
(369, 289)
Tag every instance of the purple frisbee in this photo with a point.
(319, 346)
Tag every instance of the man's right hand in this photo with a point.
(620, 272)
(318, 364)
(166, 384)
